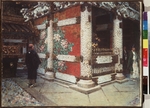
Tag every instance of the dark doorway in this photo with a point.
(131, 34)
(102, 22)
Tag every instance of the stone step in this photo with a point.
(63, 83)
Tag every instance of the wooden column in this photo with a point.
(49, 71)
(86, 49)
(117, 46)
(85, 84)
(86, 40)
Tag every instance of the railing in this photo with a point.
(103, 61)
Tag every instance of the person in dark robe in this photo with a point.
(32, 61)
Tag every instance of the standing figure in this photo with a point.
(32, 62)
(125, 60)
(133, 64)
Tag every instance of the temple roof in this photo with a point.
(18, 31)
(124, 9)
(34, 9)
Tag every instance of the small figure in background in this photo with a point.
(32, 62)
(133, 64)
(125, 60)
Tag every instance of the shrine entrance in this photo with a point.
(103, 58)
(131, 34)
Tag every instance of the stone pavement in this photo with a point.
(14, 95)
(55, 93)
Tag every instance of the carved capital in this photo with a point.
(89, 8)
(78, 20)
(83, 6)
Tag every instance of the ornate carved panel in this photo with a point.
(11, 50)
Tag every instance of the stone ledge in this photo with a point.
(61, 84)
(85, 90)
(47, 78)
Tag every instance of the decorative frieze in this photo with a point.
(43, 8)
(103, 70)
(124, 10)
(11, 50)
(103, 59)
(37, 11)
(100, 60)
(108, 5)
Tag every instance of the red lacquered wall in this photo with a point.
(72, 34)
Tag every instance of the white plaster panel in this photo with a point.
(103, 59)
(41, 55)
(70, 58)
(68, 21)
(66, 77)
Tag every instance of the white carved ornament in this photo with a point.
(41, 9)
(103, 59)
(103, 69)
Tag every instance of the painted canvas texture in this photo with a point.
(90, 52)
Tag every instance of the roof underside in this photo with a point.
(39, 9)
(15, 31)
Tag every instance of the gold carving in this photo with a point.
(47, 55)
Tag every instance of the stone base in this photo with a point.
(48, 76)
(85, 83)
(85, 90)
(122, 81)
(119, 76)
